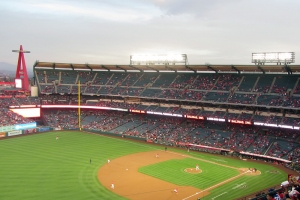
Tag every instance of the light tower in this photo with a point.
(21, 79)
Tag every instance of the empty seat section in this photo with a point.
(102, 78)
(248, 83)
(131, 79)
(216, 96)
(182, 80)
(146, 78)
(68, 77)
(164, 80)
(240, 98)
(264, 83)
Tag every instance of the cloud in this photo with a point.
(110, 11)
(109, 31)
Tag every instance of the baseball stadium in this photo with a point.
(156, 128)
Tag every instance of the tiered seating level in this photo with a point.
(183, 80)
(248, 83)
(263, 90)
(226, 82)
(264, 83)
(237, 89)
(283, 84)
(164, 80)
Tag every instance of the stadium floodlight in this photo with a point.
(158, 59)
(273, 57)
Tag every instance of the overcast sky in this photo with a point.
(109, 31)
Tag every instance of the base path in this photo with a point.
(131, 184)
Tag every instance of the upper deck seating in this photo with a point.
(102, 78)
(85, 77)
(264, 83)
(41, 76)
(154, 93)
(227, 81)
(52, 76)
(240, 98)
(68, 77)
(283, 83)
(146, 78)
(92, 89)
(183, 80)
(131, 79)
(203, 82)
(117, 78)
(248, 83)
(164, 80)
(216, 96)
(269, 100)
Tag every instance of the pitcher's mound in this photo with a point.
(192, 171)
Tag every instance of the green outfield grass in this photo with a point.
(40, 167)
(212, 174)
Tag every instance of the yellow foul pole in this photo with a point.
(79, 125)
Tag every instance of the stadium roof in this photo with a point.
(173, 68)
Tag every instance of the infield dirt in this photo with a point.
(134, 185)
(131, 184)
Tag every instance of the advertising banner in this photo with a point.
(2, 135)
(25, 126)
(31, 130)
(6, 128)
(12, 133)
(43, 129)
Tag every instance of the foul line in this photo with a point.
(203, 160)
(219, 195)
(150, 147)
(214, 186)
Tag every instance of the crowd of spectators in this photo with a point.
(271, 90)
(279, 119)
(182, 94)
(171, 130)
(227, 81)
(9, 118)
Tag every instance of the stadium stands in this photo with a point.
(257, 98)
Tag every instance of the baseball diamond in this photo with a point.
(135, 171)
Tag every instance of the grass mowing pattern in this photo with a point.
(173, 171)
(40, 167)
(212, 174)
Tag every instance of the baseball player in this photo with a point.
(112, 185)
(108, 160)
(197, 167)
(157, 155)
(176, 191)
(56, 137)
